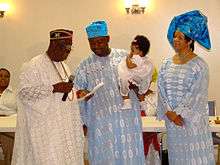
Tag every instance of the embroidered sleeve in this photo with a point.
(34, 93)
(194, 104)
(80, 82)
(31, 88)
(161, 98)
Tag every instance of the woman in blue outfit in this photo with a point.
(183, 93)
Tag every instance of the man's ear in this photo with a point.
(108, 38)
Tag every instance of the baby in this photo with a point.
(136, 69)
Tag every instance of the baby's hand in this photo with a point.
(130, 55)
(130, 64)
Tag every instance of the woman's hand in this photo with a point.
(177, 119)
(171, 115)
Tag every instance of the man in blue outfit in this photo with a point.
(114, 135)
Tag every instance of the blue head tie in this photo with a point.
(97, 29)
(194, 25)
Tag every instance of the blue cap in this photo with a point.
(194, 25)
(97, 29)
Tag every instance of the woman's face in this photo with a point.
(179, 42)
(4, 78)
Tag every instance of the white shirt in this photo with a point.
(8, 104)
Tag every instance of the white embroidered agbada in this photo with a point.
(49, 131)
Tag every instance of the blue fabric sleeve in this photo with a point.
(80, 82)
(161, 100)
(193, 107)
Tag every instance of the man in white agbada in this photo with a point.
(8, 107)
(49, 130)
(8, 104)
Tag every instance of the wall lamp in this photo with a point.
(3, 8)
(135, 6)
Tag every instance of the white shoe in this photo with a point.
(126, 104)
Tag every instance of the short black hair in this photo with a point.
(5, 70)
(143, 43)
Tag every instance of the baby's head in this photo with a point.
(140, 45)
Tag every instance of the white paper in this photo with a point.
(92, 92)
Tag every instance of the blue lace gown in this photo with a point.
(114, 135)
(185, 89)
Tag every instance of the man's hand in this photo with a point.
(62, 87)
(81, 93)
(133, 87)
(177, 119)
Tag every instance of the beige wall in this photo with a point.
(24, 30)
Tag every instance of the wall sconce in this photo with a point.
(135, 6)
(3, 8)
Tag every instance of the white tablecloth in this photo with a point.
(150, 124)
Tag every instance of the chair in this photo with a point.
(215, 137)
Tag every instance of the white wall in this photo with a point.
(24, 30)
